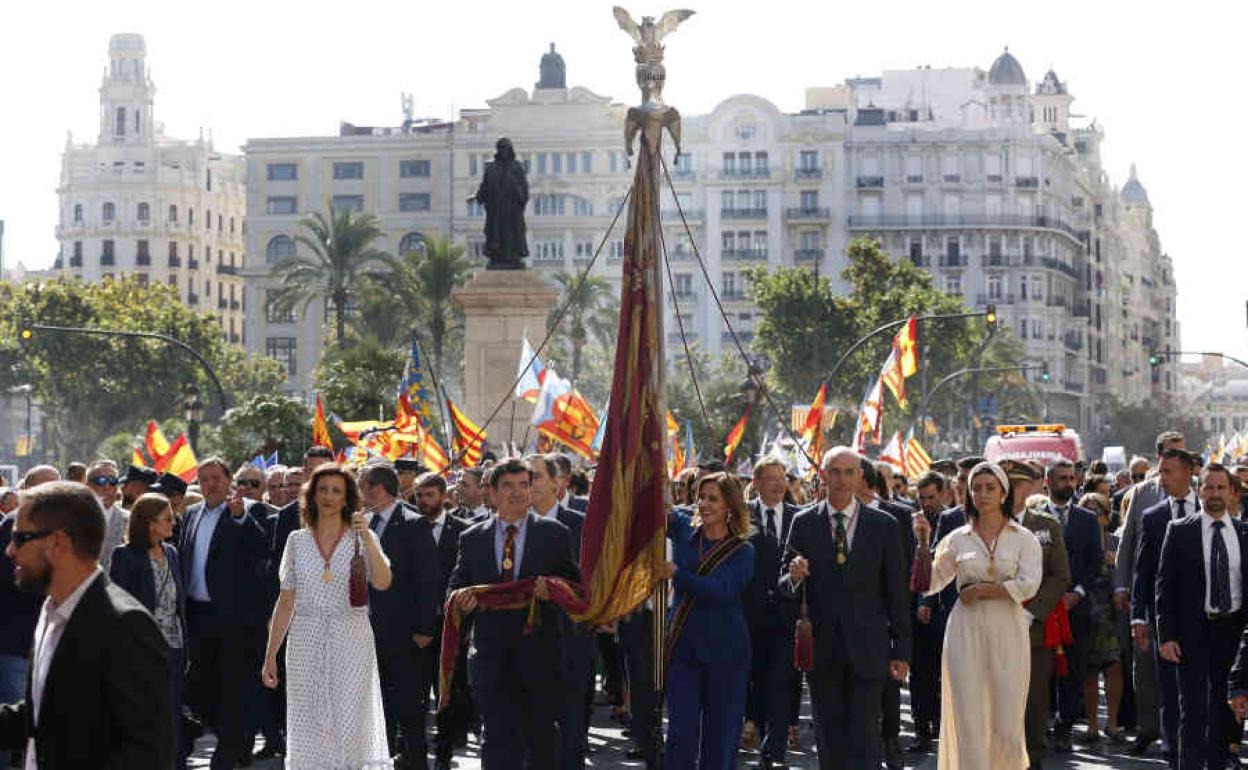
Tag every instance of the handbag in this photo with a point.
(921, 568)
(804, 639)
(359, 577)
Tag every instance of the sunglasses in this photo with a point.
(22, 538)
(253, 483)
(104, 481)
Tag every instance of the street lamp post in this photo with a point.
(193, 411)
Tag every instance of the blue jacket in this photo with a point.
(761, 597)
(1181, 582)
(1153, 523)
(1082, 532)
(132, 570)
(410, 606)
(236, 568)
(715, 631)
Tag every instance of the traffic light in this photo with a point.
(25, 334)
(990, 317)
(1044, 372)
(1154, 360)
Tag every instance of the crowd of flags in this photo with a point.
(177, 458)
(1228, 450)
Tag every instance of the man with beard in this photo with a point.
(1082, 532)
(136, 482)
(471, 493)
(105, 700)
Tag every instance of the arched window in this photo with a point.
(412, 243)
(145, 212)
(110, 212)
(280, 247)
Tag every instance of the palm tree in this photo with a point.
(337, 255)
(422, 283)
(593, 310)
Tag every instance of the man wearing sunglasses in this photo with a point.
(104, 700)
(103, 481)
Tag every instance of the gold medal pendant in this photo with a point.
(507, 563)
(325, 575)
(992, 570)
(840, 559)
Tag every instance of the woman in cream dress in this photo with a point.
(987, 655)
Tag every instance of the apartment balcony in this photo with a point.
(1026, 182)
(995, 260)
(683, 174)
(744, 335)
(745, 255)
(870, 183)
(691, 215)
(994, 178)
(952, 179)
(226, 269)
(1073, 342)
(192, 299)
(808, 255)
(807, 174)
(920, 260)
(813, 214)
(1061, 267)
(934, 221)
(676, 255)
(1073, 387)
(143, 260)
(192, 264)
(234, 339)
(1058, 300)
(1082, 310)
(222, 303)
(75, 261)
(106, 260)
(994, 299)
(235, 304)
(749, 213)
(914, 179)
(745, 173)
(175, 261)
(732, 295)
(687, 295)
(953, 260)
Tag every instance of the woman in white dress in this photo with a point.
(334, 717)
(987, 656)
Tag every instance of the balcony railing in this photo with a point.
(678, 255)
(750, 213)
(961, 220)
(952, 178)
(691, 215)
(222, 304)
(807, 255)
(106, 260)
(226, 269)
(870, 182)
(1082, 310)
(994, 299)
(802, 174)
(751, 255)
(1058, 300)
(996, 260)
(683, 174)
(914, 179)
(1061, 267)
(1073, 387)
(1073, 342)
(192, 264)
(175, 261)
(683, 295)
(1026, 181)
(745, 173)
(921, 260)
(143, 260)
(742, 334)
(731, 295)
(192, 299)
(75, 261)
(808, 214)
(953, 260)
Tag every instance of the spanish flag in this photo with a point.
(137, 458)
(179, 460)
(736, 434)
(157, 444)
(467, 440)
(906, 343)
(673, 427)
(320, 430)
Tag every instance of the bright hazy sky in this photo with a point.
(1163, 83)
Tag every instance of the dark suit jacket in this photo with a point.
(19, 609)
(949, 520)
(410, 605)
(1083, 550)
(761, 599)
(107, 703)
(236, 569)
(132, 570)
(1153, 524)
(1181, 582)
(448, 548)
(578, 504)
(873, 607)
(498, 637)
(286, 521)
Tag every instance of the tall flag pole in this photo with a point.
(622, 548)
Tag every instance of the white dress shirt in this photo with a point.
(1190, 505)
(763, 508)
(435, 526)
(52, 621)
(384, 514)
(209, 519)
(1232, 559)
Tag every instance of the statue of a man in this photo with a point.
(504, 192)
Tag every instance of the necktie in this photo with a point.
(771, 523)
(509, 555)
(841, 536)
(1182, 508)
(375, 524)
(1220, 592)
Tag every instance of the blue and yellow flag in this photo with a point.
(413, 394)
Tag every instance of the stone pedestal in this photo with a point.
(500, 307)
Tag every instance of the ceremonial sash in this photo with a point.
(516, 595)
(711, 561)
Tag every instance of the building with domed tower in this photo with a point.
(137, 202)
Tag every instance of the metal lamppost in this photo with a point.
(193, 411)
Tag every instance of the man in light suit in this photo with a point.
(1137, 499)
(103, 481)
(847, 559)
(1201, 578)
(98, 694)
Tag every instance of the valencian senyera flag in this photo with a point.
(622, 546)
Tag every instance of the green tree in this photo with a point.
(338, 254)
(592, 312)
(360, 382)
(92, 386)
(263, 425)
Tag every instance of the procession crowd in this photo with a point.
(374, 617)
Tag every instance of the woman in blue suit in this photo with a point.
(148, 568)
(708, 644)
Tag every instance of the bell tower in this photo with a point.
(127, 93)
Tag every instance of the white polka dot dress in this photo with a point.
(334, 717)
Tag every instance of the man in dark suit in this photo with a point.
(1200, 616)
(929, 633)
(769, 619)
(444, 529)
(846, 559)
(1177, 503)
(515, 675)
(99, 693)
(578, 642)
(225, 561)
(1085, 554)
(404, 618)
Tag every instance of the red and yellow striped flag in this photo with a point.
(916, 460)
(431, 453)
(467, 440)
(812, 431)
(893, 376)
(179, 460)
(736, 434)
(136, 458)
(906, 343)
(157, 444)
(320, 430)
